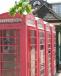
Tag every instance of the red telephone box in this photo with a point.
(25, 46)
(10, 54)
(48, 48)
(32, 46)
(18, 45)
(41, 46)
(53, 51)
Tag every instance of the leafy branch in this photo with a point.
(21, 7)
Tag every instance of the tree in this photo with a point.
(21, 7)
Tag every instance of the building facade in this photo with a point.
(57, 8)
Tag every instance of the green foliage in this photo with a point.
(21, 7)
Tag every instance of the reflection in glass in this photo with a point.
(33, 61)
(9, 72)
(9, 53)
(41, 34)
(32, 40)
(41, 41)
(42, 53)
(9, 49)
(9, 57)
(49, 40)
(49, 53)
(8, 41)
(32, 51)
(0, 41)
(41, 47)
(9, 33)
(9, 65)
(49, 45)
(32, 33)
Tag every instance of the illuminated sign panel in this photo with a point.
(16, 20)
(40, 25)
(30, 22)
(47, 27)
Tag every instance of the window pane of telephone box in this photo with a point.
(9, 65)
(8, 40)
(32, 33)
(9, 73)
(0, 41)
(9, 33)
(33, 41)
(9, 57)
(41, 41)
(8, 49)
(41, 34)
(33, 61)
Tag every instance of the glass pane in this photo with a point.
(32, 51)
(49, 54)
(8, 40)
(41, 34)
(10, 53)
(49, 35)
(9, 57)
(32, 40)
(49, 45)
(8, 65)
(0, 41)
(0, 55)
(9, 33)
(49, 40)
(0, 33)
(49, 51)
(33, 61)
(9, 73)
(41, 47)
(0, 50)
(32, 33)
(42, 56)
(42, 62)
(8, 49)
(42, 72)
(41, 41)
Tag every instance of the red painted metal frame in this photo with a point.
(37, 55)
(48, 39)
(46, 52)
(53, 51)
(39, 31)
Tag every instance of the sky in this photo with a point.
(6, 4)
(53, 1)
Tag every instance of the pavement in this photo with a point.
(59, 74)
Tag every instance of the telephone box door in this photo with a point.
(32, 52)
(48, 48)
(42, 52)
(9, 53)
